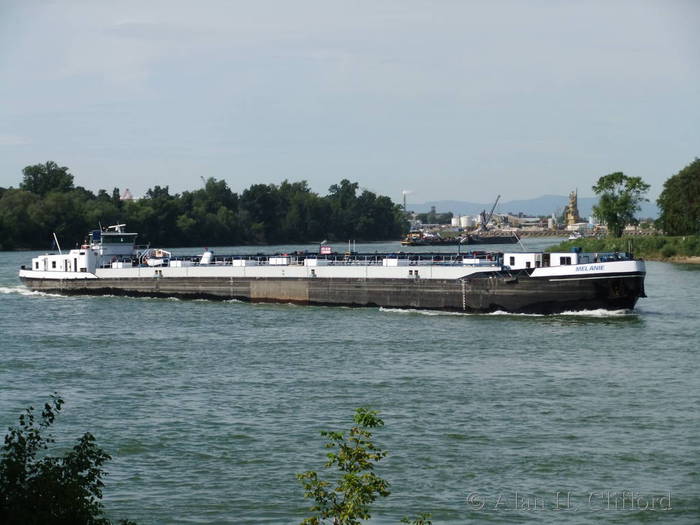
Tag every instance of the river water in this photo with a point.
(209, 409)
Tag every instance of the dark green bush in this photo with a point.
(668, 251)
(39, 489)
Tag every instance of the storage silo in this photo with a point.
(466, 221)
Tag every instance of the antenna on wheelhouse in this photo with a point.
(57, 245)
(459, 244)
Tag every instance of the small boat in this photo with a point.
(423, 238)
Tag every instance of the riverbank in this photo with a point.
(681, 249)
(681, 260)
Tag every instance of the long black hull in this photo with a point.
(471, 239)
(515, 292)
(445, 242)
(492, 239)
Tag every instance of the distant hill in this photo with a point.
(544, 205)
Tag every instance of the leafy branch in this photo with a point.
(346, 498)
(37, 488)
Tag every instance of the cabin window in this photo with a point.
(564, 260)
(36, 265)
(53, 264)
(527, 264)
(512, 261)
(537, 264)
(111, 239)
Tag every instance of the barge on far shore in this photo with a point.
(477, 282)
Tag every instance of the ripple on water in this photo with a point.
(209, 409)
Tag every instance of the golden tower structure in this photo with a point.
(572, 216)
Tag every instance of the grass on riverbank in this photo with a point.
(654, 247)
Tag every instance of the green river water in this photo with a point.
(210, 408)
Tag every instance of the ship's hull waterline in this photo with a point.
(515, 292)
(110, 263)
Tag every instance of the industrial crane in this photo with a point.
(485, 219)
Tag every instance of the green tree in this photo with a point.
(37, 488)
(261, 210)
(116, 197)
(619, 198)
(343, 207)
(155, 216)
(64, 214)
(679, 202)
(20, 226)
(422, 519)
(209, 216)
(347, 498)
(43, 178)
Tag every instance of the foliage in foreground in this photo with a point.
(649, 247)
(346, 498)
(37, 488)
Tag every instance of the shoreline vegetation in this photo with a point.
(47, 201)
(683, 249)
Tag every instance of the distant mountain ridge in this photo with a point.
(544, 205)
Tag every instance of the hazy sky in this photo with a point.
(453, 100)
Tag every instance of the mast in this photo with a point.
(57, 245)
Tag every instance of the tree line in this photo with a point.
(47, 201)
(679, 202)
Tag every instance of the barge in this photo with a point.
(420, 238)
(477, 282)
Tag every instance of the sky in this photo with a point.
(459, 100)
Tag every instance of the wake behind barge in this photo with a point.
(530, 282)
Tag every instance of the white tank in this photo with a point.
(466, 221)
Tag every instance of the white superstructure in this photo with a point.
(113, 254)
(534, 282)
